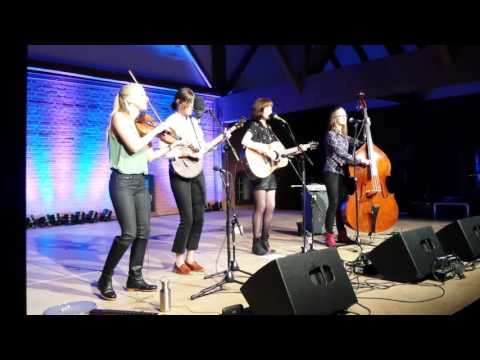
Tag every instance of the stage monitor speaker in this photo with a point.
(315, 210)
(462, 238)
(407, 256)
(311, 283)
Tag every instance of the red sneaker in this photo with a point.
(330, 240)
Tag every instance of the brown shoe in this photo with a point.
(182, 270)
(194, 266)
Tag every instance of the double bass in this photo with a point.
(377, 207)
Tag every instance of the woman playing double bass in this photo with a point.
(337, 156)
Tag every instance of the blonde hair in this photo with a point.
(119, 104)
(332, 123)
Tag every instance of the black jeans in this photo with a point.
(336, 191)
(132, 202)
(190, 198)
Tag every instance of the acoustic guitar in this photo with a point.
(259, 166)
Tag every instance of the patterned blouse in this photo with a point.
(260, 133)
(336, 150)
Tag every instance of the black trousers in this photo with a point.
(336, 191)
(190, 198)
(132, 203)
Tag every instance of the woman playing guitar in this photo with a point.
(258, 135)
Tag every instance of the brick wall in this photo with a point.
(67, 156)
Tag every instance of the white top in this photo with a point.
(188, 129)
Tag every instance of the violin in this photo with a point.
(145, 123)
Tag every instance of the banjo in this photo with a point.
(190, 164)
(258, 166)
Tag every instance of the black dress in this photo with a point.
(263, 135)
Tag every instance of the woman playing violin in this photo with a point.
(129, 156)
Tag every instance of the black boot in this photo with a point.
(105, 287)
(257, 247)
(104, 284)
(266, 244)
(135, 282)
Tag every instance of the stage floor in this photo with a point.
(64, 263)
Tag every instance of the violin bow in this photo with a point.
(149, 103)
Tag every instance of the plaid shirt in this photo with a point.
(336, 150)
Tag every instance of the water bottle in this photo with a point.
(165, 296)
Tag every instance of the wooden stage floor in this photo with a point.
(64, 262)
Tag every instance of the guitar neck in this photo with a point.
(214, 142)
(220, 138)
(293, 150)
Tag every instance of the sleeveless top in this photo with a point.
(122, 161)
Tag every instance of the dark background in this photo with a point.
(431, 144)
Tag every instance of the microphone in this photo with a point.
(274, 116)
(355, 121)
(236, 222)
(216, 168)
(199, 106)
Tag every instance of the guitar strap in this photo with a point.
(273, 133)
(195, 132)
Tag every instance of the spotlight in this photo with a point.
(76, 218)
(31, 222)
(82, 218)
(106, 215)
(43, 222)
(66, 219)
(51, 219)
(89, 217)
(92, 216)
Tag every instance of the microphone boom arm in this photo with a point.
(210, 111)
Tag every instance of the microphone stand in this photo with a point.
(232, 266)
(302, 177)
(361, 260)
